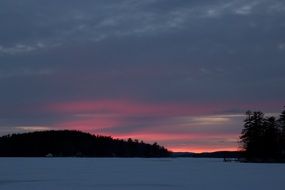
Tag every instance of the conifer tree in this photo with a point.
(263, 138)
(252, 135)
(281, 122)
(271, 139)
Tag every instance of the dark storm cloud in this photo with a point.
(222, 52)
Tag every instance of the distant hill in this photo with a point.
(219, 154)
(66, 143)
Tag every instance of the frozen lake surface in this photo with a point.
(137, 174)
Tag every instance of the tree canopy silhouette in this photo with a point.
(75, 143)
(263, 138)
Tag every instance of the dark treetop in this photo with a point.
(75, 143)
(263, 138)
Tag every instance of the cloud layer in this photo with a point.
(145, 69)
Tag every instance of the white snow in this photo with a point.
(137, 174)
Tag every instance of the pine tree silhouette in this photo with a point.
(263, 138)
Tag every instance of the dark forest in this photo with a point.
(263, 137)
(67, 143)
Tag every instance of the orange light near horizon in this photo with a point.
(166, 139)
(201, 149)
(171, 125)
(163, 139)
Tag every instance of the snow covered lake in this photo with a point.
(137, 174)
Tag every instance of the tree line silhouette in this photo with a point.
(67, 143)
(263, 138)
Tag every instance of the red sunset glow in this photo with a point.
(150, 123)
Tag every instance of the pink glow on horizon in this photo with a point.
(164, 139)
(104, 117)
(201, 149)
(149, 135)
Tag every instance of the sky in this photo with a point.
(177, 72)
